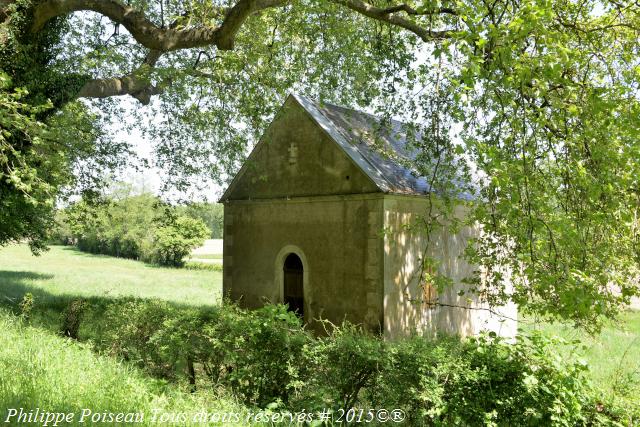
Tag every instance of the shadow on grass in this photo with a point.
(48, 309)
(77, 252)
(13, 283)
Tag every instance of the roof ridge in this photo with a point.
(360, 112)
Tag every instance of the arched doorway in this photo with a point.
(293, 274)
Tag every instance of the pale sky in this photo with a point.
(150, 179)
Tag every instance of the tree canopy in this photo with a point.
(539, 98)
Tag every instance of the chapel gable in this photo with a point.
(297, 158)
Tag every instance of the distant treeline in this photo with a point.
(212, 214)
(138, 227)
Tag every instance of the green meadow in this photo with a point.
(39, 368)
(65, 272)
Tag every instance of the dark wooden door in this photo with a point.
(293, 285)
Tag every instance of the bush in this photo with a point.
(342, 365)
(257, 354)
(212, 214)
(265, 358)
(485, 381)
(137, 227)
(117, 227)
(175, 240)
(265, 355)
(72, 317)
(130, 326)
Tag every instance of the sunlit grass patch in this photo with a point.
(66, 272)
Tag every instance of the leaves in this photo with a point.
(525, 112)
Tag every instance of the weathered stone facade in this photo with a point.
(302, 192)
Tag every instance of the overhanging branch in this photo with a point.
(162, 39)
(135, 84)
(388, 15)
(149, 34)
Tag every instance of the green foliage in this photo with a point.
(266, 359)
(49, 145)
(545, 97)
(542, 95)
(114, 227)
(212, 214)
(27, 193)
(26, 305)
(264, 354)
(138, 227)
(175, 239)
(256, 355)
(72, 317)
(344, 364)
(132, 325)
(203, 266)
(61, 233)
(49, 371)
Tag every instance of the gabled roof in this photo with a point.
(381, 150)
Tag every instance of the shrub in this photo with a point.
(343, 365)
(132, 324)
(117, 227)
(265, 354)
(72, 317)
(267, 359)
(137, 227)
(26, 305)
(61, 234)
(258, 354)
(212, 214)
(173, 241)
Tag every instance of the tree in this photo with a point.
(545, 94)
(175, 240)
(25, 196)
(212, 214)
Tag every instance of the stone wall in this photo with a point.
(338, 239)
(405, 307)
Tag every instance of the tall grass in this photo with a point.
(42, 370)
(613, 355)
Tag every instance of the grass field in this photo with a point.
(66, 272)
(39, 369)
(613, 356)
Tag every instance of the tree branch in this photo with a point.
(149, 34)
(134, 84)
(386, 15)
(161, 39)
(411, 11)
